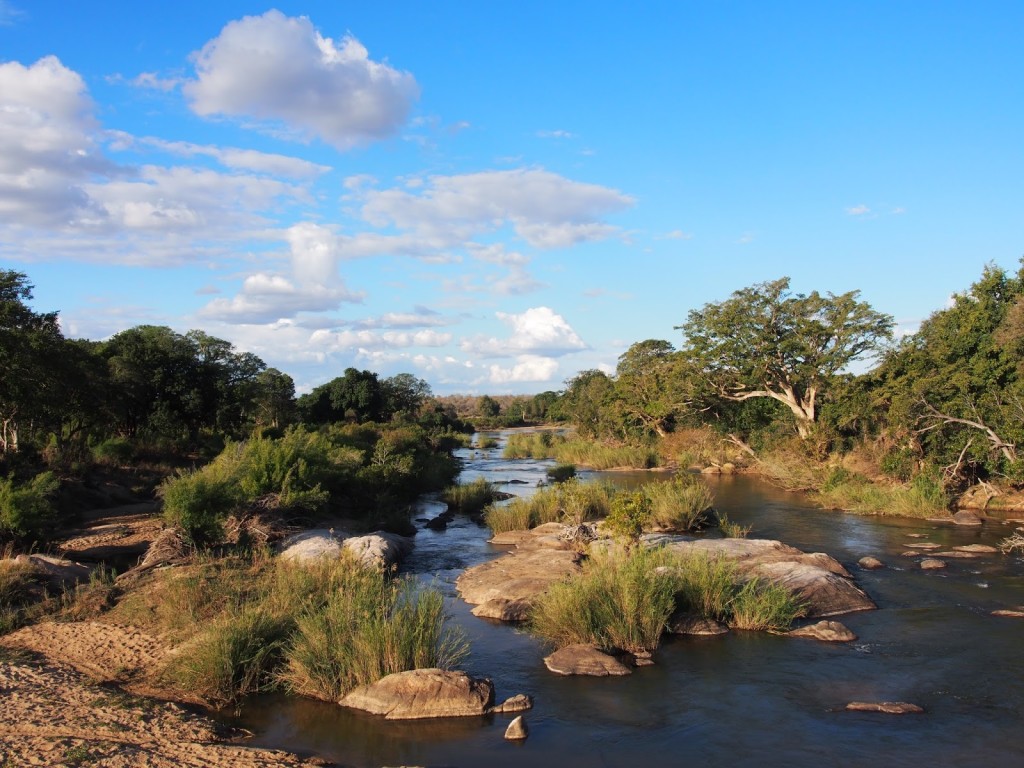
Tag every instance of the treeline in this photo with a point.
(768, 370)
(150, 394)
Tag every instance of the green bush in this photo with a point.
(629, 513)
(561, 472)
(682, 504)
(27, 511)
(114, 451)
(198, 504)
(470, 498)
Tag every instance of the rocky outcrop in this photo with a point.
(377, 549)
(505, 588)
(826, 631)
(582, 659)
(423, 693)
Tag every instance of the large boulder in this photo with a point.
(423, 693)
(377, 549)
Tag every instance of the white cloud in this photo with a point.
(677, 234)
(312, 286)
(9, 15)
(47, 149)
(422, 317)
(545, 209)
(858, 210)
(556, 134)
(280, 69)
(537, 331)
(153, 81)
(230, 157)
(527, 368)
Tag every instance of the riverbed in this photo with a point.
(744, 699)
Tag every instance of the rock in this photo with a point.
(503, 609)
(1017, 613)
(687, 624)
(981, 548)
(57, 572)
(517, 729)
(932, 564)
(584, 659)
(508, 585)
(822, 592)
(924, 545)
(518, 703)
(888, 707)
(957, 554)
(910, 553)
(966, 518)
(870, 563)
(423, 693)
(379, 548)
(438, 523)
(826, 631)
(643, 659)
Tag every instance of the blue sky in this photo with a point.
(494, 197)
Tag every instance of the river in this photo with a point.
(744, 699)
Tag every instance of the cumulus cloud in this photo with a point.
(281, 70)
(47, 150)
(545, 209)
(313, 284)
(527, 368)
(538, 331)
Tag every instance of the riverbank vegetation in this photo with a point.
(812, 391)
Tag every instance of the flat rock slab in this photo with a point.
(508, 584)
(886, 707)
(423, 693)
(966, 518)
(983, 549)
(924, 545)
(582, 659)
(1011, 613)
(826, 631)
(823, 593)
(957, 554)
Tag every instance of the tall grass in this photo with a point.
(470, 498)
(618, 602)
(365, 631)
(681, 504)
(705, 586)
(569, 502)
(532, 445)
(583, 453)
(16, 582)
(255, 624)
(761, 605)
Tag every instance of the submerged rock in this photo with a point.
(870, 563)
(984, 549)
(826, 631)
(582, 659)
(966, 518)
(887, 707)
(688, 624)
(423, 693)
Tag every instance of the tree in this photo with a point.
(652, 386)
(768, 342)
(487, 406)
(274, 399)
(30, 346)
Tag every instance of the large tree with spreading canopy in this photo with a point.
(766, 341)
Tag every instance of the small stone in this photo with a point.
(888, 707)
(910, 553)
(931, 564)
(518, 703)
(870, 563)
(826, 631)
(1017, 613)
(517, 730)
(643, 659)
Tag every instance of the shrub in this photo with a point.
(198, 504)
(114, 451)
(486, 442)
(27, 511)
(514, 516)
(16, 593)
(630, 511)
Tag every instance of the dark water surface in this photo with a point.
(745, 699)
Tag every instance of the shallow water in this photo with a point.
(745, 699)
